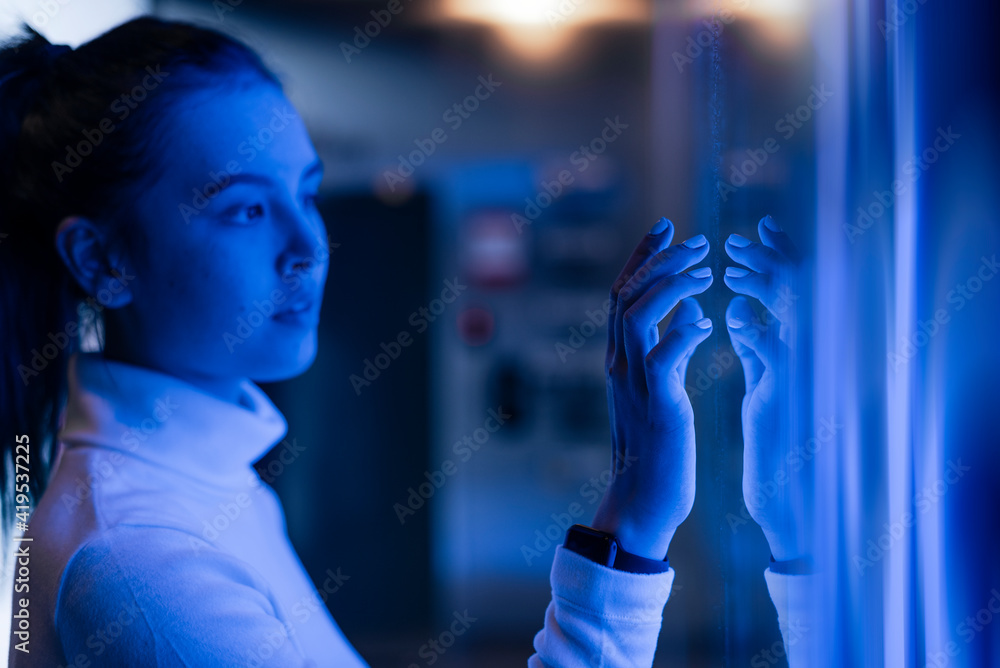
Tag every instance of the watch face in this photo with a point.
(591, 543)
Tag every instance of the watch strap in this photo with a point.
(603, 548)
(800, 566)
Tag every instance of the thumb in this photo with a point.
(688, 312)
(746, 333)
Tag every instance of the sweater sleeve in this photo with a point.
(600, 617)
(153, 596)
(791, 595)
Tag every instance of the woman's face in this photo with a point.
(228, 252)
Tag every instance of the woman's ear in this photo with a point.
(96, 267)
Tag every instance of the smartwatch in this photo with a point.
(603, 548)
(800, 566)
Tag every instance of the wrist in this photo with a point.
(604, 548)
(641, 542)
(797, 566)
(782, 550)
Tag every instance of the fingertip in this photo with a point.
(737, 272)
(688, 310)
(739, 309)
(700, 272)
(696, 242)
(769, 222)
(738, 241)
(660, 226)
(703, 323)
(739, 302)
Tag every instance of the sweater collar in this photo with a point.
(167, 421)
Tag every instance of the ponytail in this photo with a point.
(36, 302)
(51, 97)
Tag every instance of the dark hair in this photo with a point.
(76, 139)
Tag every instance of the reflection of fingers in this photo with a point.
(750, 283)
(666, 357)
(773, 236)
(641, 319)
(738, 316)
(659, 237)
(758, 257)
(747, 330)
(776, 297)
(687, 312)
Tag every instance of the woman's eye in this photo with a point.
(248, 214)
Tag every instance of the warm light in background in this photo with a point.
(70, 22)
(542, 29)
(780, 24)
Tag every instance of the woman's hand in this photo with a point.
(652, 424)
(774, 481)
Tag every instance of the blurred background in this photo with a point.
(490, 164)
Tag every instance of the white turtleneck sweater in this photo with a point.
(157, 544)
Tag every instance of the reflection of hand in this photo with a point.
(652, 424)
(769, 478)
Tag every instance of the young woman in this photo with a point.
(157, 186)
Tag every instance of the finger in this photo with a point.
(641, 319)
(772, 236)
(669, 261)
(659, 237)
(739, 315)
(687, 312)
(776, 296)
(758, 257)
(662, 364)
(762, 339)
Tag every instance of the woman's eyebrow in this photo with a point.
(247, 177)
(316, 167)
